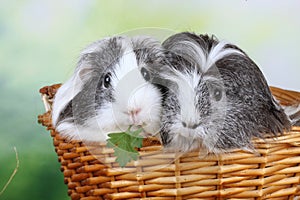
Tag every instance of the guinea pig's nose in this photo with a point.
(189, 125)
(133, 115)
(134, 112)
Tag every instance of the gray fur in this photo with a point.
(247, 110)
(148, 51)
(98, 59)
(93, 95)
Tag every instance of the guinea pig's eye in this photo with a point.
(217, 94)
(145, 73)
(107, 79)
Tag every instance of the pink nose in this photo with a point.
(133, 113)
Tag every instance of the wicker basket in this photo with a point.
(274, 174)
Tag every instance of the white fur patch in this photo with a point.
(187, 85)
(292, 110)
(187, 81)
(126, 64)
(203, 59)
(133, 93)
(218, 52)
(195, 52)
(87, 132)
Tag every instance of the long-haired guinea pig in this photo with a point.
(109, 90)
(216, 98)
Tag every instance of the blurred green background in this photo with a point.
(40, 42)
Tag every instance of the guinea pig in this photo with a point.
(216, 98)
(109, 90)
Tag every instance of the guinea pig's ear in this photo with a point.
(69, 90)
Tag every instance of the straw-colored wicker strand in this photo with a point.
(286, 97)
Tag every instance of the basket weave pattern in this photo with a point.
(273, 173)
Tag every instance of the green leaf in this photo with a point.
(125, 144)
(124, 157)
(135, 133)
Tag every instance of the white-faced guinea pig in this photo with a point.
(109, 90)
(216, 98)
